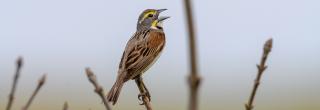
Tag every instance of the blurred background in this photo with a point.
(62, 37)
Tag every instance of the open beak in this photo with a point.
(162, 18)
(161, 10)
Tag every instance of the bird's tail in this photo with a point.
(114, 93)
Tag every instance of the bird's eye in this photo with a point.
(150, 15)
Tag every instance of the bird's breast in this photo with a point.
(156, 39)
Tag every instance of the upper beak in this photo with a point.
(162, 18)
(161, 10)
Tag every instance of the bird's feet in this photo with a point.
(142, 95)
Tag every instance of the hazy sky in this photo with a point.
(62, 37)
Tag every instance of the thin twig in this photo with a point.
(19, 64)
(41, 81)
(98, 89)
(193, 79)
(65, 106)
(145, 99)
(266, 50)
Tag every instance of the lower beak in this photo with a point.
(162, 18)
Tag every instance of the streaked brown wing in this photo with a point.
(132, 45)
(143, 53)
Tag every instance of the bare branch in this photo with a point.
(193, 79)
(41, 81)
(146, 102)
(266, 50)
(65, 106)
(19, 64)
(145, 96)
(98, 89)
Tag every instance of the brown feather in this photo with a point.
(141, 52)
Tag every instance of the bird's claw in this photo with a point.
(142, 95)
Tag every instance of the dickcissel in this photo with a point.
(141, 51)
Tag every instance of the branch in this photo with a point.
(193, 79)
(42, 80)
(65, 106)
(266, 50)
(98, 89)
(146, 101)
(143, 94)
(19, 64)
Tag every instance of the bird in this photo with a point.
(141, 51)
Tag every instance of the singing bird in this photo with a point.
(141, 51)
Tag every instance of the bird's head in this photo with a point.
(147, 17)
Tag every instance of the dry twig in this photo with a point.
(65, 106)
(142, 89)
(266, 50)
(42, 80)
(98, 89)
(19, 64)
(193, 79)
